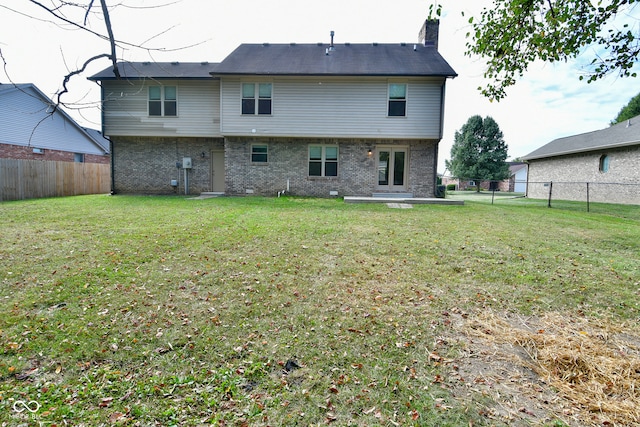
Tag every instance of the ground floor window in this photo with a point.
(259, 153)
(323, 160)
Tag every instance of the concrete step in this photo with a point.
(208, 195)
(394, 195)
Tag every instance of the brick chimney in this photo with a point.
(428, 35)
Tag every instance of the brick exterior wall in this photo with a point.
(569, 174)
(288, 161)
(146, 165)
(9, 151)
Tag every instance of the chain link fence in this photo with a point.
(557, 194)
(587, 192)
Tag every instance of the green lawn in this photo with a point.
(122, 310)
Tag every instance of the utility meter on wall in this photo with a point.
(186, 163)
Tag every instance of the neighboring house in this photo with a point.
(517, 182)
(304, 119)
(29, 130)
(607, 159)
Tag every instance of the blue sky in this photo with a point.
(549, 102)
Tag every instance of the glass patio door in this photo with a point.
(392, 170)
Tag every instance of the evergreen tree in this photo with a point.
(479, 152)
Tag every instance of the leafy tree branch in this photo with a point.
(513, 34)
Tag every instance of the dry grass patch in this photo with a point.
(582, 370)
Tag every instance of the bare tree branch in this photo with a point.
(86, 15)
(60, 11)
(62, 18)
(107, 22)
(76, 72)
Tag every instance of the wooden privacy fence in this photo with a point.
(29, 179)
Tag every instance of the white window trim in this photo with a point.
(256, 97)
(406, 97)
(162, 101)
(323, 160)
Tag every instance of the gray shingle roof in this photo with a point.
(99, 139)
(158, 70)
(299, 59)
(344, 60)
(619, 135)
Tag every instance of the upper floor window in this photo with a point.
(259, 153)
(323, 160)
(604, 163)
(163, 101)
(397, 99)
(256, 94)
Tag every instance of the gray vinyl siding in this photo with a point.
(125, 111)
(335, 107)
(26, 120)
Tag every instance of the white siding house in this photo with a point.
(125, 109)
(340, 107)
(308, 119)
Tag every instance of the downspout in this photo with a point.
(435, 169)
(111, 157)
(441, 133)
(113, 177)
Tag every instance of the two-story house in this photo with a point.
(305, 119)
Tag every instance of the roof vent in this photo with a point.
(265, 44)
(146, 63)
(628, 122)
(175, 63)
(331, 46)
(292, 44)
(375, 43)
(204, 63)
(319, 43)
(403, 44)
